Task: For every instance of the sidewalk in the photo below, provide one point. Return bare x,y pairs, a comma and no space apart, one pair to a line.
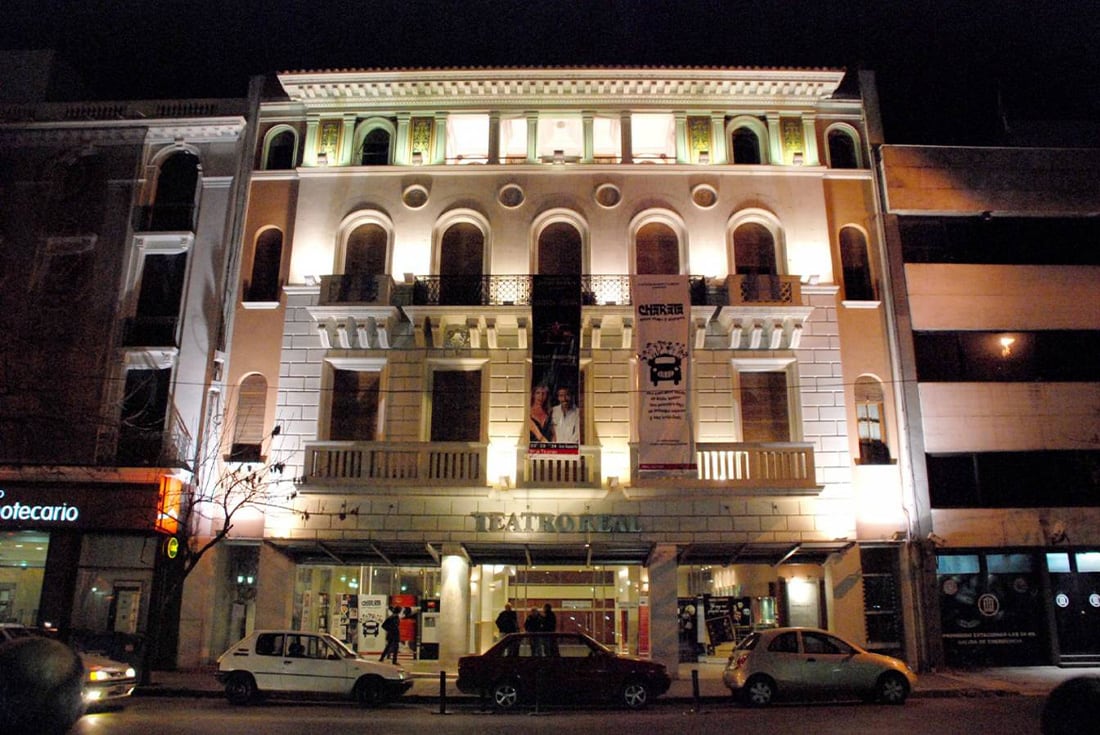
1035,681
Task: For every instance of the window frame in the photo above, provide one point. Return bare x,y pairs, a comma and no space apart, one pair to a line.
786,365
328,379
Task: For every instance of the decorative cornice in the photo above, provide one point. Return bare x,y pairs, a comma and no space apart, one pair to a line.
589,88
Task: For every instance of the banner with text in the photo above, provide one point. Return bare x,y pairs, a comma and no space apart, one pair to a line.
662,311
554,423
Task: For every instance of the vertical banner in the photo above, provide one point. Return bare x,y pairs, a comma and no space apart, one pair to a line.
372,611
662,319
554,418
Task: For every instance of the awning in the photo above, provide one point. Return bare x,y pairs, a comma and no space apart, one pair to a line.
770,553
346,552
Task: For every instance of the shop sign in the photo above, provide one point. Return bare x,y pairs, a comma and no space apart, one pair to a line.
555,523
63,513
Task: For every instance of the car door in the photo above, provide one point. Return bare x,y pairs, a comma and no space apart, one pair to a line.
265,661
313,666
837,667
577,671
786,664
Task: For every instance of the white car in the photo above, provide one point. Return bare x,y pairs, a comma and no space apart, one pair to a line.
106,681
804,663
306,664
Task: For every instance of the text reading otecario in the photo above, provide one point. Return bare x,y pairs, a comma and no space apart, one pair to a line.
58,513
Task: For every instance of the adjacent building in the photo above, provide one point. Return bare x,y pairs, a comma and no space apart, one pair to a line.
428,257
994,276
117,231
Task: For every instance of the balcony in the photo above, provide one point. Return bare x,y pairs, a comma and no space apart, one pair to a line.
764,288
396,464
165,218
356,289
558,471
515,290
150,331
780,468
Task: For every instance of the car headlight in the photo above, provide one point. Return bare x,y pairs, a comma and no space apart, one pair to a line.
98,675
131,673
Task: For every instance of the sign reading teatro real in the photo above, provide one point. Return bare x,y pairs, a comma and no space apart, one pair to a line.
555,523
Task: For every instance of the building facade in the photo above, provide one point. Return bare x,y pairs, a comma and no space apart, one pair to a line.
116,231
995,285
387,346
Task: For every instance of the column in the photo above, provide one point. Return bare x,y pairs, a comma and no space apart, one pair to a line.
439,155
682,154
313,128
587,122
775,140
664,629
627,138
494,137
347,142
532,136
718,138
454,607
401,152
809,140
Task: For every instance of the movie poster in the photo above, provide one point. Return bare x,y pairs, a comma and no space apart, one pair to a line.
554,424
662,319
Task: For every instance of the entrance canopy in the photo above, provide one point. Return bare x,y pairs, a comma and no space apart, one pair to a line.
346,552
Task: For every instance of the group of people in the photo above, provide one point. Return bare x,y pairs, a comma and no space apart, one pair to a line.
559,424
535,622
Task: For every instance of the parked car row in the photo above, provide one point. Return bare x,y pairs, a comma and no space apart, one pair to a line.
553,668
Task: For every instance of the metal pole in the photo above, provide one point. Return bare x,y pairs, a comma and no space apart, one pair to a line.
695,687
442,692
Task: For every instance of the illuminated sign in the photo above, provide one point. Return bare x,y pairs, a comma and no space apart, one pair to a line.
63,513
556,523
172,547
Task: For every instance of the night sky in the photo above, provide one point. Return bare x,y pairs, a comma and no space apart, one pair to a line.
1038,59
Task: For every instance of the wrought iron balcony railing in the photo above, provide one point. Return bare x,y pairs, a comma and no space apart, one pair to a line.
515,290
356,289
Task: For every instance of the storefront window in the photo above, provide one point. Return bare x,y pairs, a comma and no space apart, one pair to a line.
22,567
113,583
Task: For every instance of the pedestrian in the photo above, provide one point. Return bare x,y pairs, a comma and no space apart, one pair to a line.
507,621
533,622
391,626
549,619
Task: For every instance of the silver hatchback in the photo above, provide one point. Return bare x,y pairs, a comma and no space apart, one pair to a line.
808,663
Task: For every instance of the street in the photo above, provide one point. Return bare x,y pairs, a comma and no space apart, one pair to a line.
1010,715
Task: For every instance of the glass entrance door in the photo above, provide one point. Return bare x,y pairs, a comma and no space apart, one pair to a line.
1075,584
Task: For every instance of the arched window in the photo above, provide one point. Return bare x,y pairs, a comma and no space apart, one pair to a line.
843,147
280,149
656,250
856,265
174,203
266,263
365,252
870,422
745,147
248,433
559,250
461,254
376,148
754,250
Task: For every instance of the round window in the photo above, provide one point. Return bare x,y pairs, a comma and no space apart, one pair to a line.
704,196
511,196
608,195
415,196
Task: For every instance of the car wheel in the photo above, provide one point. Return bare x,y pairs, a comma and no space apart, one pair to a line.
759,691
240,688
505,694
892,688
368,691
634,695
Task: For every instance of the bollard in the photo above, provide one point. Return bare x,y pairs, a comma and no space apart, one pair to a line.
442,692
695,687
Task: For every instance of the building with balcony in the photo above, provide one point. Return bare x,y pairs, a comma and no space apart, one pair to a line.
995,278
399,227
115,232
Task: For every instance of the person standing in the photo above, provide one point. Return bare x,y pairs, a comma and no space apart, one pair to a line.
566,418
533,622
549,619
391,626
507,621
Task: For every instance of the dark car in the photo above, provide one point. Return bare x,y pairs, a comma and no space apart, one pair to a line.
559,667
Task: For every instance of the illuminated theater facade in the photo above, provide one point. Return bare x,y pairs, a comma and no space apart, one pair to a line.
691,255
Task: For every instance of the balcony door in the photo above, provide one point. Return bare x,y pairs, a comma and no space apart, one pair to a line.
754,257
765,407
559,250
461,254
364,261
456,406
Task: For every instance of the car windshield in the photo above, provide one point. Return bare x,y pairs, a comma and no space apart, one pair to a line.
342,647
